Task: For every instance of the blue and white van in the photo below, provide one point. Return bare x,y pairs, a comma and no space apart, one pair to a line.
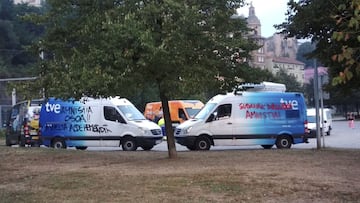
263,118
110,122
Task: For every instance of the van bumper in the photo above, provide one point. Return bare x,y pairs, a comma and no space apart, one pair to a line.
186,141
148,141
312,134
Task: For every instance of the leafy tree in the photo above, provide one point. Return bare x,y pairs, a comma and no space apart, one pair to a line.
334,27
16,35
304,54
292,85
102,48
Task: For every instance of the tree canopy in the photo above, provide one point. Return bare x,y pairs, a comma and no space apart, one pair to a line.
15,38
334,27
106,48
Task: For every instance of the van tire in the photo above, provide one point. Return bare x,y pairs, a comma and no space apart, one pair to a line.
7,142
328,133
202,143
22,141
81,147
283,142
58,143
147,148
128,144
267,146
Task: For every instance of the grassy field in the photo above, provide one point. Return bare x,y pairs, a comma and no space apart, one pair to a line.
48,175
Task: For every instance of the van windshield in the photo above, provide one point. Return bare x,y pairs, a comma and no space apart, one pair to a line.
204,112
311,119
131,112
192,112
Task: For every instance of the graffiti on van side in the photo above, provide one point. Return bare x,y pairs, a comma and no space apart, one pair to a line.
77,127
269,110
75,118
262,115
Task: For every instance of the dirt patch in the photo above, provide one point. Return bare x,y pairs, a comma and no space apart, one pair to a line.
43,175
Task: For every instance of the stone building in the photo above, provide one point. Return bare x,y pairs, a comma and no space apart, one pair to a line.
279,46
30,2
258,56
276,52
290,65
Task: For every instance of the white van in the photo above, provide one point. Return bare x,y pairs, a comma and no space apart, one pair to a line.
312,121
247,118
110,122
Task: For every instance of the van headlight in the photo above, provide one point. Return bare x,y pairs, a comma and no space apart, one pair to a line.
143,130
187,130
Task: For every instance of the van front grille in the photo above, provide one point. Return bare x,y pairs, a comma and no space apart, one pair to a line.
177,131
156,132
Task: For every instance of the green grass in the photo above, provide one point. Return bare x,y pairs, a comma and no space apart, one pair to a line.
49,175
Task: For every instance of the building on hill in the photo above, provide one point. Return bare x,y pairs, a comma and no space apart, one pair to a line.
30,2
279,46
276,52
291,67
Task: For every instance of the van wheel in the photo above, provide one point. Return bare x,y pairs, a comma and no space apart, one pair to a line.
58,143
128,144
22,141
267,146
328,133
283,142
7,142
147,148
202,143
81,147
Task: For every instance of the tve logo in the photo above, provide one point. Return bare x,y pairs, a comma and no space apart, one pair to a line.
289,104
52,107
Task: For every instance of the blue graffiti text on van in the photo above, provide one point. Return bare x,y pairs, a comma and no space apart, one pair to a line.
75,118
76,127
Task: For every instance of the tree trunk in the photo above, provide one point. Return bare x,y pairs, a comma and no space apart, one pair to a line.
168,126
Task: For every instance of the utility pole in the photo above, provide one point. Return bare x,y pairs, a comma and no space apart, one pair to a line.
316,97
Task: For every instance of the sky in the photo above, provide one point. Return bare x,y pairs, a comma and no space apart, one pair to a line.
268,12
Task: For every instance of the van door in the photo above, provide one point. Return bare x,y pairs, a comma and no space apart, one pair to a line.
13,127
221,126
114,127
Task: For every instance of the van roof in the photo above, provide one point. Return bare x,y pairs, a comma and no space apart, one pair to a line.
110,100
233,97
180,100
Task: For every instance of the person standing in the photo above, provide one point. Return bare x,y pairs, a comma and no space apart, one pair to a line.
161,123
351,121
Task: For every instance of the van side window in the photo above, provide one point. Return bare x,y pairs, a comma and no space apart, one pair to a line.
182,114
223,111
292,114
111,114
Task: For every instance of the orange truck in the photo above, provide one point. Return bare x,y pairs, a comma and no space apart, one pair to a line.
180,110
